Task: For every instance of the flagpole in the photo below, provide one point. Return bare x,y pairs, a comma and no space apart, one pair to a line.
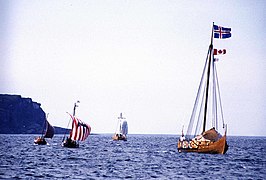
208,81
212,33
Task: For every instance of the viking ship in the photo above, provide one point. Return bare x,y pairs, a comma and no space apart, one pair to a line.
121,130
79,131
47,132
207,111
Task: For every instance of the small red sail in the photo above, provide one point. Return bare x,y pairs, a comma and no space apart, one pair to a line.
80,130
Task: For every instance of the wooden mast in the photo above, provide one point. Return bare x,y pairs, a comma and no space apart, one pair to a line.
74,111
208,79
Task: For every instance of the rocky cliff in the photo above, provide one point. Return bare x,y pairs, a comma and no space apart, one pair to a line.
20,115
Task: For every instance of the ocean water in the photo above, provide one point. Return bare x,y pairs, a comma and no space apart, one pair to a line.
141,157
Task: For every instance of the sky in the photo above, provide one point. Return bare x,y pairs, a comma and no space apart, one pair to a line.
141,58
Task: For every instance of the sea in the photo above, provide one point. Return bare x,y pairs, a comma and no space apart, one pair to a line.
140,157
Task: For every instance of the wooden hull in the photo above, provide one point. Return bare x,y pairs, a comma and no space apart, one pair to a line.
217,147
40,141
70,144
118,137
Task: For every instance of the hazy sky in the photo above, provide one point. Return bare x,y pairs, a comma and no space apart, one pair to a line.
142,58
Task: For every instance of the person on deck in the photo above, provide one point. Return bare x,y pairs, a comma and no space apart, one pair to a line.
182,138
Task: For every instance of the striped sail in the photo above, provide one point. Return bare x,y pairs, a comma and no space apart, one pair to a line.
80,130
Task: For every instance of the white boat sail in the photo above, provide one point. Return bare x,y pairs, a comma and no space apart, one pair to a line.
122,129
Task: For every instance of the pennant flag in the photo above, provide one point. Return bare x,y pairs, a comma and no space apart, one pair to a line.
218,52
221,32
215,59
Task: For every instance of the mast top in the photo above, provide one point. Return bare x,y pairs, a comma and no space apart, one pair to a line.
208,80
212,36
75,105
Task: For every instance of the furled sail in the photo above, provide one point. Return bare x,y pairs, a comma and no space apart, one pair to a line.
80,130
124,128
212,135
49,131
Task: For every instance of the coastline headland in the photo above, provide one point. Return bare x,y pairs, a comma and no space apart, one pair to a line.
20,115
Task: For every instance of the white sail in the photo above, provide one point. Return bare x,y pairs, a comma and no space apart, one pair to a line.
124,128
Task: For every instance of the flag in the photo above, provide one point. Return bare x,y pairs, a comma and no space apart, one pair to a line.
219,51
215,59
221,32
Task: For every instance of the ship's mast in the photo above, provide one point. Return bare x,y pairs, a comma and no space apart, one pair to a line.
208,80
74,110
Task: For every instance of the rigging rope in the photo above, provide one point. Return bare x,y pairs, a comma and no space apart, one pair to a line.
66,129
220,100
191,122
199,121
214,102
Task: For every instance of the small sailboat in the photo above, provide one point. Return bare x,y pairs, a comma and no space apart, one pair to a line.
79,131
122,129
47,132
207,111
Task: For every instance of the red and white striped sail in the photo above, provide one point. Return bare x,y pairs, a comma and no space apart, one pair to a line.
80,130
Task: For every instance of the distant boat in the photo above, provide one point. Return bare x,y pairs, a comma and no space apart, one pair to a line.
207,111
122,129
47,132
79,131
